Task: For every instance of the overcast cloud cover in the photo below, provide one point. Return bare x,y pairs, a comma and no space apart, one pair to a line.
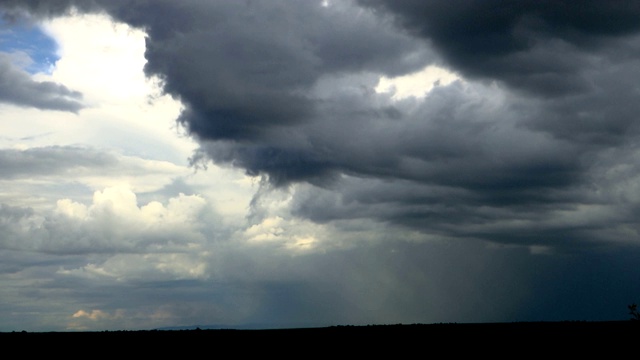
312,163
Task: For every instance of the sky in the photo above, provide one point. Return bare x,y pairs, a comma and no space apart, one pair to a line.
296,163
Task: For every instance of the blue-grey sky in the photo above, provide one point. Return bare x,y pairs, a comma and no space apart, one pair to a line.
312,163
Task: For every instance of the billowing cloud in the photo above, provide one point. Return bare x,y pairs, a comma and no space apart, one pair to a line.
521,133
113,222
540,46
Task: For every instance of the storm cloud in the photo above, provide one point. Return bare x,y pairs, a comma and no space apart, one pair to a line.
494,176
364,201
544,47
542,116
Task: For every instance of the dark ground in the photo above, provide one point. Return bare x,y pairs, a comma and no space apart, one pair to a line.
526,338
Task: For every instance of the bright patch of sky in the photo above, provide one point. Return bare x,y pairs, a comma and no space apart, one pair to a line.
417,84
31,48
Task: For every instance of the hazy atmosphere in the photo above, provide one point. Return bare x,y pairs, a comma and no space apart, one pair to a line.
298,163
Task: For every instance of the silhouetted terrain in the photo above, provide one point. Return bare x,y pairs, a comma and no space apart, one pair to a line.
609,340
534,333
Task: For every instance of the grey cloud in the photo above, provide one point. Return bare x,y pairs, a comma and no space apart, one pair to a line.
475,156
244,68
44,8
76,162
247,77
55,160
409,283
604,116
285,90
536,146
453,166
538,46
18,88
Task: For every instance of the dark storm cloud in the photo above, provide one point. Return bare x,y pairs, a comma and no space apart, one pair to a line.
470,160
532,45
44,8
18,88
245,68
540,133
